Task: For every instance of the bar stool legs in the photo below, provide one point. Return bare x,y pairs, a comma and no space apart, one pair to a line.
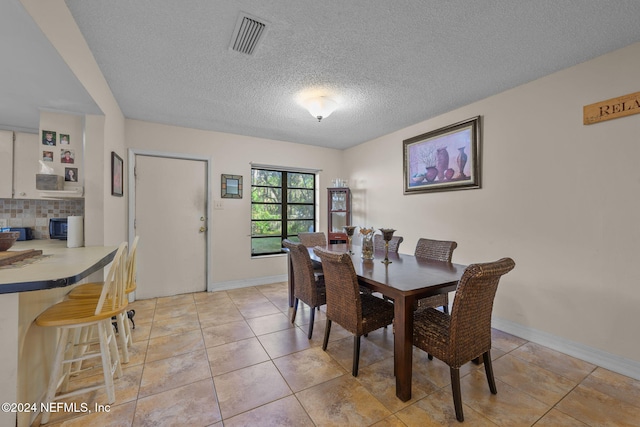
72,350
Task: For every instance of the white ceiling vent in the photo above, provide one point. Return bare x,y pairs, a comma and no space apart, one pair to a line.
247,34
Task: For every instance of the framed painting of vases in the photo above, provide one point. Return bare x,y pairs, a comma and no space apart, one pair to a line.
444,159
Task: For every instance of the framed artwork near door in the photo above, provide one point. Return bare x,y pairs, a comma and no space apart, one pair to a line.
231,186
116,175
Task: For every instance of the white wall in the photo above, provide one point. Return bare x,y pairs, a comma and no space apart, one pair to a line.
558,197
231,154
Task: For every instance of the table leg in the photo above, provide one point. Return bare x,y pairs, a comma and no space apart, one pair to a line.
290,280
403,346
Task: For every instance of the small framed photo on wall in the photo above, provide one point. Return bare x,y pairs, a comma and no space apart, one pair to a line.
71,174
48,138
67,156
231,186
117,177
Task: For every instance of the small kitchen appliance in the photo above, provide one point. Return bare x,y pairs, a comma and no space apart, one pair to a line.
58,228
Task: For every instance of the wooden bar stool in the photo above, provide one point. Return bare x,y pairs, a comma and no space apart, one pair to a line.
70,317
93,290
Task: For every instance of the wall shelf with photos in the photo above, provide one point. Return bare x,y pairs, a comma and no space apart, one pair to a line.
61,150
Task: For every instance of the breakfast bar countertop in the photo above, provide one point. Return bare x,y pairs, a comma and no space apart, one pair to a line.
59,266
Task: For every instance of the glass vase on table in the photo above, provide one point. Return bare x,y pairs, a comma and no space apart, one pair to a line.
367,242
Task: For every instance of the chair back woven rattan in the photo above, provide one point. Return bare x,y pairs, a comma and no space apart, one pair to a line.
394,243
357,313
344,305
438,250
309,287
466,334
313,239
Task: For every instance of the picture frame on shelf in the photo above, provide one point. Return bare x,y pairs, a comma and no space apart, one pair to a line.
231,186
445,159
117,176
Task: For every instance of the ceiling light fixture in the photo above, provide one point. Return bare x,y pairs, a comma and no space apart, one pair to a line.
320,106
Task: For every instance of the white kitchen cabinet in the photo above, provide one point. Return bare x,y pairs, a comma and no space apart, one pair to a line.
6,164
25,154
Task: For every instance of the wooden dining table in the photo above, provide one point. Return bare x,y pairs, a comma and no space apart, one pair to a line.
405,280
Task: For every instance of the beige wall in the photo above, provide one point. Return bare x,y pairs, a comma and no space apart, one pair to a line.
559,197
231,154
102,134
105,215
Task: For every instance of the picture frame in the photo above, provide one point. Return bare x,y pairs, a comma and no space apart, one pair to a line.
445,159
117,175
49,138
71,174
231,186
67,156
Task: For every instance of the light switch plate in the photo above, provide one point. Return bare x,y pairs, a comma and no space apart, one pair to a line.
217,204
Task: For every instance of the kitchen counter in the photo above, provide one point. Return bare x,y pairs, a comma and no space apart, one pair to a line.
60,267
25,292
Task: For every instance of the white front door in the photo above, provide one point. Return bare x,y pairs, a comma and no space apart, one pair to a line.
170,218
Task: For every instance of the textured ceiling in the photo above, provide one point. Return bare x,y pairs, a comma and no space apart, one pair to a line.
33,77
388,63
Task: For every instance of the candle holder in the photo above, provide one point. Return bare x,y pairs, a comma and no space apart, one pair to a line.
387,234
349,229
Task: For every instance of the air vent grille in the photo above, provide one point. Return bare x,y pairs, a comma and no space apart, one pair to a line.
247,34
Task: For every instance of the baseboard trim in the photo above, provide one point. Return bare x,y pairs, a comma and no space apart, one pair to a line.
244,283
596,356
593,355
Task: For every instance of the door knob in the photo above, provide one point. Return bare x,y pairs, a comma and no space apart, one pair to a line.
203,229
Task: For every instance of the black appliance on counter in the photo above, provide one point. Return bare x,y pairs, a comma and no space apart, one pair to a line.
26,233
58,228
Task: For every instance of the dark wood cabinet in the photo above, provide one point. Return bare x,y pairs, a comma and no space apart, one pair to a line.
339,214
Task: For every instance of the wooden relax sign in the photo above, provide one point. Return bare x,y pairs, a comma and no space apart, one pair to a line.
612,108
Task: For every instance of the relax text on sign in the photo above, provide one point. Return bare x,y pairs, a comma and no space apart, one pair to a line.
612,109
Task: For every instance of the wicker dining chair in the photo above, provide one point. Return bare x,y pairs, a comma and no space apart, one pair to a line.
466,334
309,287
394,243
313,239
437,250
357,313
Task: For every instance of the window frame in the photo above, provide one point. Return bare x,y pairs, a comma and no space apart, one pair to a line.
284,205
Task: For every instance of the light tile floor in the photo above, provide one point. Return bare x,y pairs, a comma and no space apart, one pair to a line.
233,358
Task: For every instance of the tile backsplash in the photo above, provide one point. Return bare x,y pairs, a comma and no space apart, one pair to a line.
36,213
